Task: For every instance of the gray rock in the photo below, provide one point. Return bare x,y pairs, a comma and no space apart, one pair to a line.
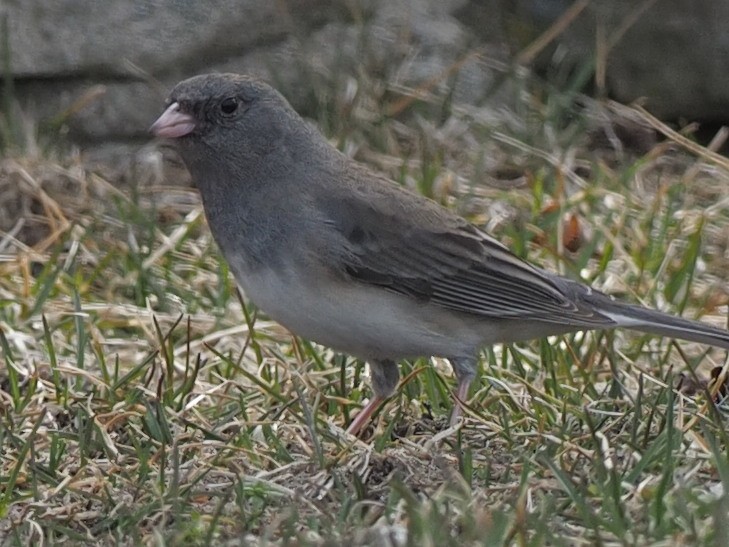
73,38
103,69
674,55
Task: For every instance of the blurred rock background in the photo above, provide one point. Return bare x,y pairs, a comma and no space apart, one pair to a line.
101,69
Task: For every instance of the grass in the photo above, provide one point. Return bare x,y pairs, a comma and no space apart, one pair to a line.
144,402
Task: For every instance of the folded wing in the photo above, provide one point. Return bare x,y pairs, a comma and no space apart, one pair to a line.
421,250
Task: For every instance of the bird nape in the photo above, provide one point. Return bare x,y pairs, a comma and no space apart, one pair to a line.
342,256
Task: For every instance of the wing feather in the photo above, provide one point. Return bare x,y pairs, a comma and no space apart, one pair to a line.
410,245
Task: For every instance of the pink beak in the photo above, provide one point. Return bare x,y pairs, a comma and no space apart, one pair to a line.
173,123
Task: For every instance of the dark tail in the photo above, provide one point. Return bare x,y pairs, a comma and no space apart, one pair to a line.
663,324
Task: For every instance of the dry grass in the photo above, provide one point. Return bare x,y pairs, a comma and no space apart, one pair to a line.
143,403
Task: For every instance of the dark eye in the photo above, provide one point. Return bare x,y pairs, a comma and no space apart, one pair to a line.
229,106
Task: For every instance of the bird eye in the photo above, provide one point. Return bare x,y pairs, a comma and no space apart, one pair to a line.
229,106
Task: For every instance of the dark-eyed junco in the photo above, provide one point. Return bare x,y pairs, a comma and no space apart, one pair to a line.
343,256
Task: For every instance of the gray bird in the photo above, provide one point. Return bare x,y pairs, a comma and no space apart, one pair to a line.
343,256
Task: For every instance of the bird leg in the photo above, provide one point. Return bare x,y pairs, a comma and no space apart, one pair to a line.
385,376
364,415
465,370
459,399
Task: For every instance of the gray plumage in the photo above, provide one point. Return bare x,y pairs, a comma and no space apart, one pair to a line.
344,257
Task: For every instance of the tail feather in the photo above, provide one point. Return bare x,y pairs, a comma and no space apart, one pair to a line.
663,324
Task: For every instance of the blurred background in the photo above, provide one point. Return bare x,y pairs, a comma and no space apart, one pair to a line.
101,70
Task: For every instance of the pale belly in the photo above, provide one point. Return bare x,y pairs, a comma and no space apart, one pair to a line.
365,321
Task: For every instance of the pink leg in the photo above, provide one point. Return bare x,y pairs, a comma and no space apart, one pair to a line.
364,415
460,399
